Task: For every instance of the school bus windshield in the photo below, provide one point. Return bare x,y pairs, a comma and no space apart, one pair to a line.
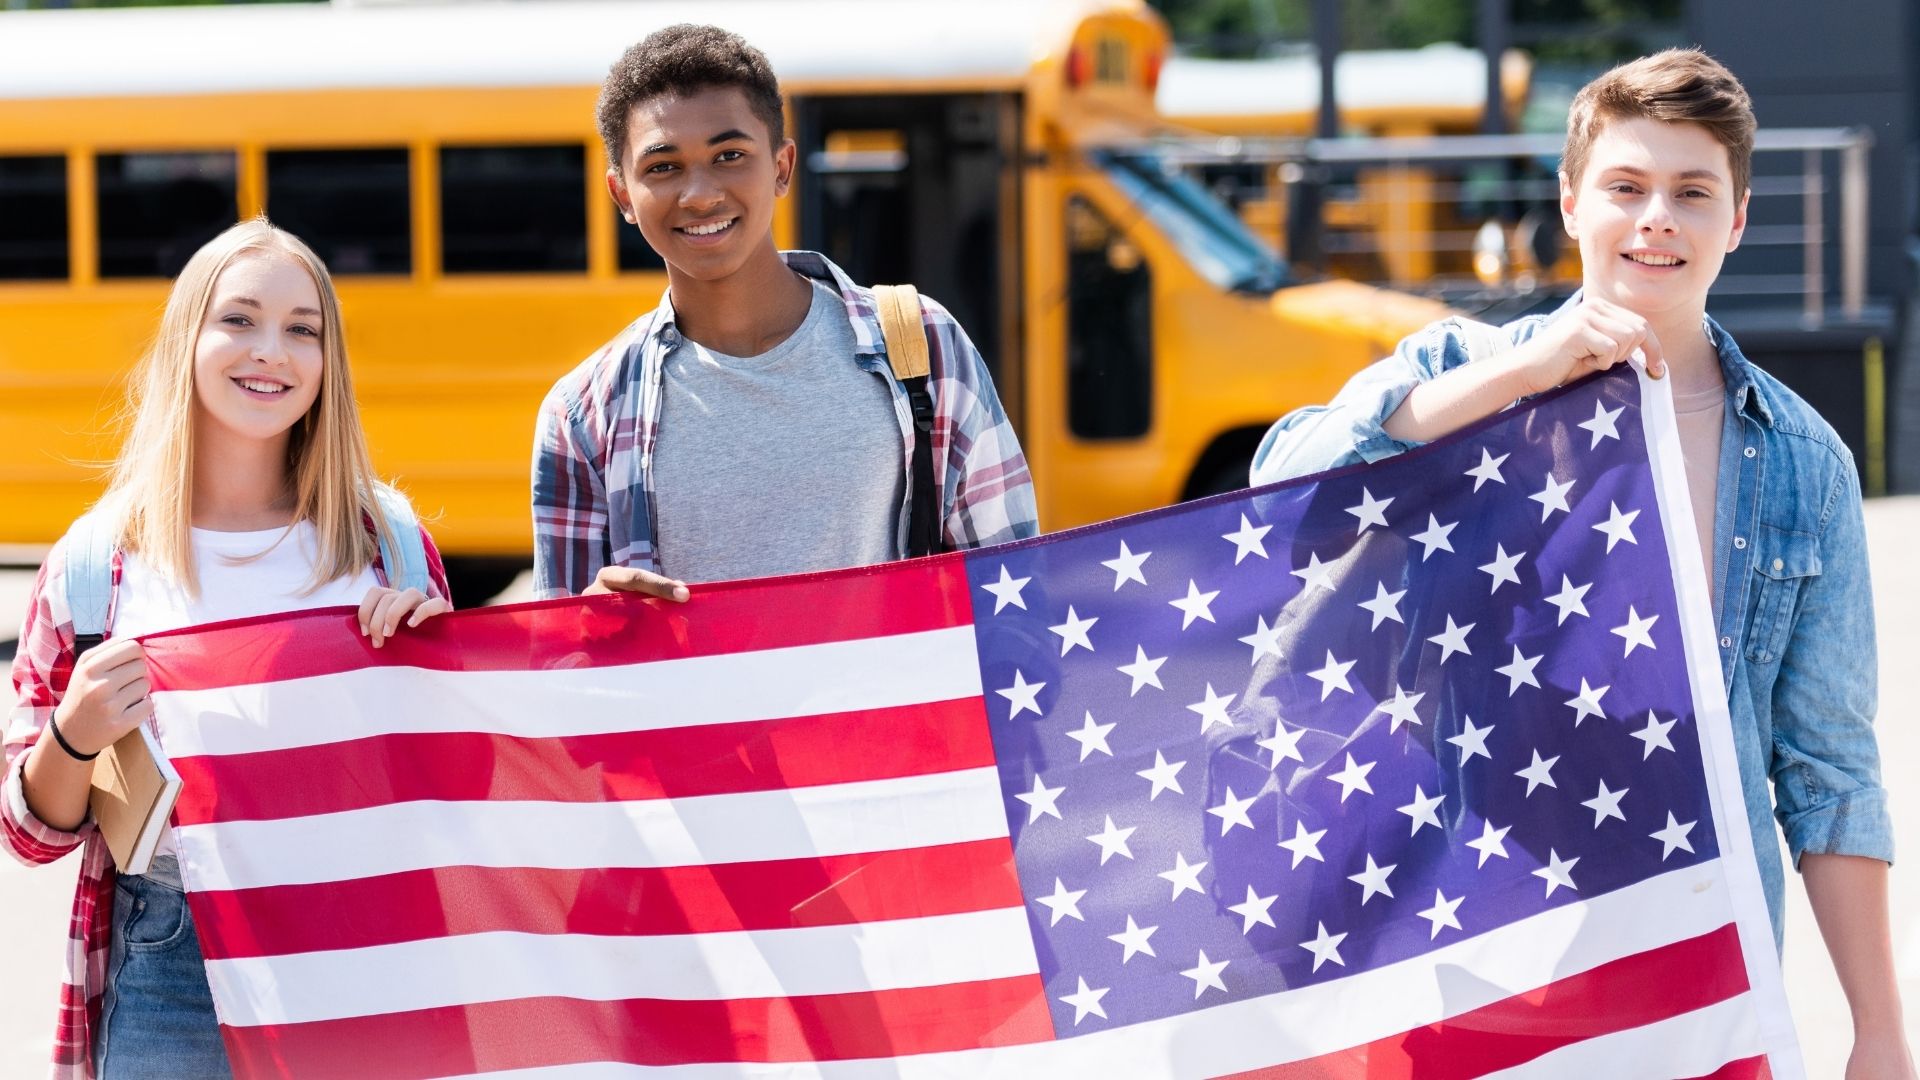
1209,237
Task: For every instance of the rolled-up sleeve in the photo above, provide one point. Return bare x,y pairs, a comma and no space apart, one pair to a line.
42,664
1826,760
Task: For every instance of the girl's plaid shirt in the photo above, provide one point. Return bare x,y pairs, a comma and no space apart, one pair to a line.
593,454
42,666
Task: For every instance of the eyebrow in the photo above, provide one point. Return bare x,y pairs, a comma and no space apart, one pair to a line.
255,305
1690,174
728,135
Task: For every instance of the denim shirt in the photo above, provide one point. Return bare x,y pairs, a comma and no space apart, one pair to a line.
1793,606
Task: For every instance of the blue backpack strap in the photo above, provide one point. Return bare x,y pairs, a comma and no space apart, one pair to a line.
406,567
89,577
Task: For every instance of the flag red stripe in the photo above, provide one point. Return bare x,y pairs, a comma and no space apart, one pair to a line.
711,759
1753,1068
788,894
533,1032
900,598
1626,993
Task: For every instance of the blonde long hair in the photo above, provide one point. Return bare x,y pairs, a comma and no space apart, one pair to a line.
150,490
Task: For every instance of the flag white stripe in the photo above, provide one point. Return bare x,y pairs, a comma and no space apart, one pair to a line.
1692,1044
842,676
832,819
473,968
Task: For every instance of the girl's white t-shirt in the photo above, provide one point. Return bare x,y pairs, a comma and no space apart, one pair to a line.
241,574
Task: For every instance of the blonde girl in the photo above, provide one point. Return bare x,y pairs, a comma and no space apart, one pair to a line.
244,487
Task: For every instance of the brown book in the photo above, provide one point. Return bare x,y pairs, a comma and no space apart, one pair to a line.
134,786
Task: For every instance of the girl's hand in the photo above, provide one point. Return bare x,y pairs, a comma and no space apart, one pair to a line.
107,696
383,609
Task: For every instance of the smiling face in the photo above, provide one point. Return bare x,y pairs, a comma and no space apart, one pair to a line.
1655,214
258,358
700,177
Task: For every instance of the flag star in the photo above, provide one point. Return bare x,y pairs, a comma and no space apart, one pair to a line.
1232,812
1134,939
1213,710
1264,640
1488,469
1602,424
1023,695
1371,511
1502,568
1184,875
1587,702
1558,873
1194,605
1452,640
1127,566
1353,778
1074,631
1333,676
1064,903
1472,741
1091,737
1248,540
1540,772
1041,800
1325,947
1206,975
1373,880
1552,497
1655,735
1441,914
1164,776
1384,605
1254,910
1422,808
1606,804
1113,841
1085,1001
1434,538
1569,599
1283,744
1634,633
1674,837
1520,671
1304,845
1143,671
1492,842
1618,526
1401,709
1315,573
1007,590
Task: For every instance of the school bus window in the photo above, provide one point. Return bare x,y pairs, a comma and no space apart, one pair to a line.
1210,238
33,218
156,209
350,205
1109,329
635,252
513,209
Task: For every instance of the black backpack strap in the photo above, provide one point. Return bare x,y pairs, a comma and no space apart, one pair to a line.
905,335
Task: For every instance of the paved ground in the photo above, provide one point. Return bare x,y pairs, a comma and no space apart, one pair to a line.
35,903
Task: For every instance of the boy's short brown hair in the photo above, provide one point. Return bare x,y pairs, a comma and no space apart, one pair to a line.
686,59
1675,86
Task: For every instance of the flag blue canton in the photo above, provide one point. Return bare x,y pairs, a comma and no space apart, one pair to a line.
1280,737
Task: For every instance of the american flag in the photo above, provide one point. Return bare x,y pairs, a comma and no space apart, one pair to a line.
1393,771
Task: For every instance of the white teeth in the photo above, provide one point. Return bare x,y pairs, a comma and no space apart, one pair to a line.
709,230
260,386
1654,260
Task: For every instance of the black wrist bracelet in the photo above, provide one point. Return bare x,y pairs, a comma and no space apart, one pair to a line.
67,746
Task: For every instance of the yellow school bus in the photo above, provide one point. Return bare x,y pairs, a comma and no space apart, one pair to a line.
442,158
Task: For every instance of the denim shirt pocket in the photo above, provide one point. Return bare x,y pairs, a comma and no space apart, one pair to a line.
1783,561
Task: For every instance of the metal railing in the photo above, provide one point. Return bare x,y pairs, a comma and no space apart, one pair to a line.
1404,191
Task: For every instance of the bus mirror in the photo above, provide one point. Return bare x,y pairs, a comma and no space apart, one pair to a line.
1490,253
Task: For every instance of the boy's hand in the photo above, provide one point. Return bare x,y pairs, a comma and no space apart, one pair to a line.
382,610
627,579
1592,337
107,696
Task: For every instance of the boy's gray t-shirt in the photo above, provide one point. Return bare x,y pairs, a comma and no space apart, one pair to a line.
780,463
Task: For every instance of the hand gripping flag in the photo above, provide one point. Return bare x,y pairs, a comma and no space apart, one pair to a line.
1418,769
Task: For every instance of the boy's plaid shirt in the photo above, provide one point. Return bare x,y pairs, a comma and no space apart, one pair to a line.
593,454
42,667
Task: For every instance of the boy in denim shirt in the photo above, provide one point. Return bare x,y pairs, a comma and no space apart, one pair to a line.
1654,188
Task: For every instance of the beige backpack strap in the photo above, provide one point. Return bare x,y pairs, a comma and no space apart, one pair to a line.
901,328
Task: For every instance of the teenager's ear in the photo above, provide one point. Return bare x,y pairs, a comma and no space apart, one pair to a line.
1566,206
617,187
783,163
1739,221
